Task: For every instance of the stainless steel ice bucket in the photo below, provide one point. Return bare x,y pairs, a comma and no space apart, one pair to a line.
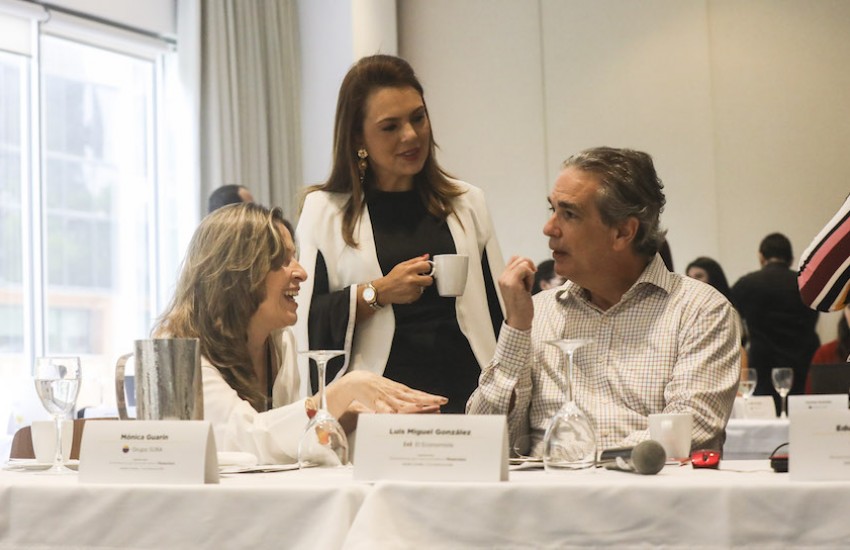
168,380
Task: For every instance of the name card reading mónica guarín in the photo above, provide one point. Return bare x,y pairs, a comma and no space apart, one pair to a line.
148,451
431,447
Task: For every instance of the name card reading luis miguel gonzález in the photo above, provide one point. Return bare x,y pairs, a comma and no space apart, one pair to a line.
148,451
431,447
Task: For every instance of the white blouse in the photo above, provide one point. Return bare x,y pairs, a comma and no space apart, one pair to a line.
272,435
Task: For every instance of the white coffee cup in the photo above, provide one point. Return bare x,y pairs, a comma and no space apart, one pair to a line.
450,271
44,440
673,431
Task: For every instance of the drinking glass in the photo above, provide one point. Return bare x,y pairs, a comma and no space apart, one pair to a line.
570,440
57,383
783,379
747,385
324,442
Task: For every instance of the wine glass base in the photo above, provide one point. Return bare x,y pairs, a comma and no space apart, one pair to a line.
324,443
57,470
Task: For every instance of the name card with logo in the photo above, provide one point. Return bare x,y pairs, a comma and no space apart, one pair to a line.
820,445
757,407
839,402
431,447
148,451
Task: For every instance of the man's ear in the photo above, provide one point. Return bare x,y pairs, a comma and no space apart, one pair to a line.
626,232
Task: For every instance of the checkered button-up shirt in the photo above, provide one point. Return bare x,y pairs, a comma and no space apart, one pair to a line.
671,344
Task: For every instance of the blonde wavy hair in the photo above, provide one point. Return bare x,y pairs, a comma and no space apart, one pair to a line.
220,287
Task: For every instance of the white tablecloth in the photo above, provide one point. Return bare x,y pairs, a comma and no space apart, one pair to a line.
309,509
754,439
744,504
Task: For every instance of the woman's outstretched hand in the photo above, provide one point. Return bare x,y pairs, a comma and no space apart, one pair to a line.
374,393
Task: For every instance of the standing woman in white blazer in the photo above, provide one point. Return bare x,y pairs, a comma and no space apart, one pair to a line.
365,236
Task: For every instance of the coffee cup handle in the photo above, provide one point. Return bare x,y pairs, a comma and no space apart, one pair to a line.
433,268
120,397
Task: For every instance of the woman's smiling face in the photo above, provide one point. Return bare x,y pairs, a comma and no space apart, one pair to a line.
279,309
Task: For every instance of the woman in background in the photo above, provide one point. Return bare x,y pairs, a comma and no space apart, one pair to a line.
366,234
236,294
545,277
709,271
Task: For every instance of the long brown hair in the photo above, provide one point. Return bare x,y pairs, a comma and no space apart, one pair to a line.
364,77
221,285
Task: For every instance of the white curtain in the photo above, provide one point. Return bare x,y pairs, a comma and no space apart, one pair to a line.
250,123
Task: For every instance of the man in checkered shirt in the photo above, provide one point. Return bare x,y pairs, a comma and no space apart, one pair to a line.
661,342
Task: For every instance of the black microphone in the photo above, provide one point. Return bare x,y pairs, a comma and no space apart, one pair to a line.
647,457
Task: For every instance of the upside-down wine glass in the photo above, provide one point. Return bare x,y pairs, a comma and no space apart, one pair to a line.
783,379
570,440
57,383
747,385
324,442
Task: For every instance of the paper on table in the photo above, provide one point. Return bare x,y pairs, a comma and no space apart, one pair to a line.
259,468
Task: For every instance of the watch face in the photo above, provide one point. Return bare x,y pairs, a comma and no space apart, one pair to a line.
369,294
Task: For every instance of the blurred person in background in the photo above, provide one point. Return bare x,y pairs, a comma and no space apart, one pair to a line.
545,277
781,327
228,194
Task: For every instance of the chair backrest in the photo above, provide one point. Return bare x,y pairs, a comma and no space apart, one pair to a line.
830,378
22,441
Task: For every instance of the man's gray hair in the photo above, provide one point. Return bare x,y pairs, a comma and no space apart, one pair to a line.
628,187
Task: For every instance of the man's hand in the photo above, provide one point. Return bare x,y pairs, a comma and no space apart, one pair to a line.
515,283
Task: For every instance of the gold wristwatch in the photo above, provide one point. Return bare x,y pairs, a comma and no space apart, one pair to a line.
370,295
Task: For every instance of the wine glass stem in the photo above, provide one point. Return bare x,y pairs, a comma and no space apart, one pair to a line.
784,406
57,460
321,366
569,376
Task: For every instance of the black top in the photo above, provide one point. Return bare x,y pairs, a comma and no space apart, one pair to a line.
781,326
429,352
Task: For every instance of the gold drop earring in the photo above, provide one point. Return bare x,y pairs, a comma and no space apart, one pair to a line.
362,164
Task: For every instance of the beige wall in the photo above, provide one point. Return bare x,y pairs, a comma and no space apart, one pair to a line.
744,105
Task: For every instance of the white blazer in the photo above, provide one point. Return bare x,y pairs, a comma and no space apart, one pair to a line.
368,347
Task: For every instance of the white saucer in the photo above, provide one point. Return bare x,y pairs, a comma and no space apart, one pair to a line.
31,464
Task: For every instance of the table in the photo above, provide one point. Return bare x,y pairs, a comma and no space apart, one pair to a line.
754,439
310,509
744,504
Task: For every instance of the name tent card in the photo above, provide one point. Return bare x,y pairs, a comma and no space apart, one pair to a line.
757,407
148,451
431,447
838,402
819,445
